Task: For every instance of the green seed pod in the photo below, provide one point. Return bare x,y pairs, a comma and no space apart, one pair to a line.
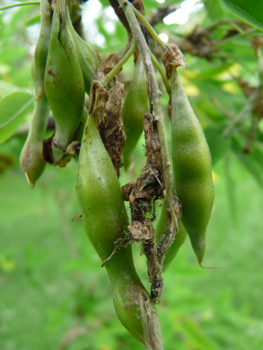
41,50
87,57
192,167
105,219
134,108
32,162
64,84
161,230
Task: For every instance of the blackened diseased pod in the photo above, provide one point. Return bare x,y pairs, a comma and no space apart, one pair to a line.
87,57
41,50
32,162
192,167
135,106
105,220
64,84
161,232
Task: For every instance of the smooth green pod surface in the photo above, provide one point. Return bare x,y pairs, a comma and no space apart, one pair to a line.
41,50
87,57
192,167
64,84
105,219
161,229
134,108
32,162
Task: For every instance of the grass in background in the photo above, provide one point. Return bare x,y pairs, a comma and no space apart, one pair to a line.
55,295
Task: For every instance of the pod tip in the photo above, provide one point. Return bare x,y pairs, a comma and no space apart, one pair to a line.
208,267
32,185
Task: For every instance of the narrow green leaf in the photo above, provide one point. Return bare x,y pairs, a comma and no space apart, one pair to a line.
214,9
196,335
230,187
217,145
13,110
250,11
243,115
8,54
6,88
251,161
33,20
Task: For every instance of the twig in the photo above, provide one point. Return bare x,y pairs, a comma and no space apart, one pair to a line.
251,136
150,29
120,14
224,111
221,108
232,21
162,72
119,65
246,33
154,95
243,114
19,4
77,332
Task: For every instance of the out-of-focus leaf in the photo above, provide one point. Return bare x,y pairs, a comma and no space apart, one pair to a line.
20,15
218,146
243,114
230,186
33,20
11,53
150,5
251,161
212,89
104,3
13,110
250,11
6,88
22,77
215,9
197,336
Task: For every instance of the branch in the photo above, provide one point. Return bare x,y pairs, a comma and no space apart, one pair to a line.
154,95
119,65
150,29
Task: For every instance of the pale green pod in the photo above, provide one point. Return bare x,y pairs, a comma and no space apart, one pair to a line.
64,84
32,162
105,220
135,106
87,57
41,50
192,168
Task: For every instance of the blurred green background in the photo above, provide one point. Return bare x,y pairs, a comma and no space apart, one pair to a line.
53,292
55,295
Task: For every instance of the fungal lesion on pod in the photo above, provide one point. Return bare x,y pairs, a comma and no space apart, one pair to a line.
142,196
48,146
106,107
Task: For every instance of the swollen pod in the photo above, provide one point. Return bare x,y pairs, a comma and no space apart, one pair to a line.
105,220
192,168
64,84
32,162
87,57
41,50
134,108
31,158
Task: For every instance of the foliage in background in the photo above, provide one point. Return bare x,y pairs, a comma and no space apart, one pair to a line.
52,293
